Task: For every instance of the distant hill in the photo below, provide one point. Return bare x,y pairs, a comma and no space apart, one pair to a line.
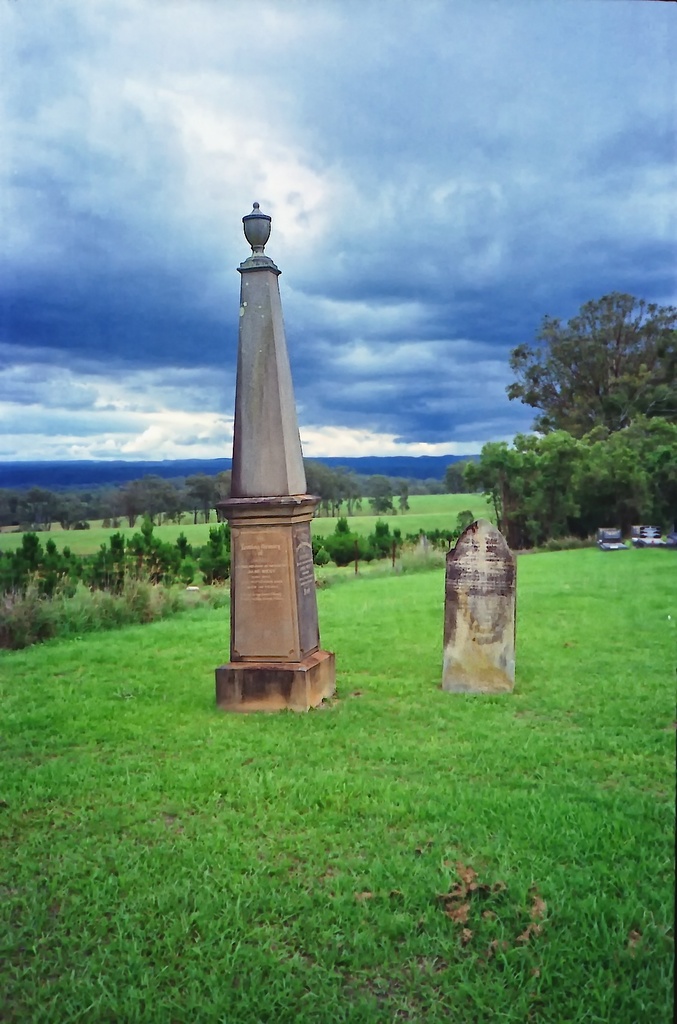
59,475
80,474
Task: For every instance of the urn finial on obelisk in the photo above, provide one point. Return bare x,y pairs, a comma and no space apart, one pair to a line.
257,229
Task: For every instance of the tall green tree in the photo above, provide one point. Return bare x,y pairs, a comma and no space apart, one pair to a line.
615,360
203,490
497,472
70,509
131,501
380,489
530,485
320,481
40,507
613,485
10,503
628,477
403,500
334,487
348,489
454,479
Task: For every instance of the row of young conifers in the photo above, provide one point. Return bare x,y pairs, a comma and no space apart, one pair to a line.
46,591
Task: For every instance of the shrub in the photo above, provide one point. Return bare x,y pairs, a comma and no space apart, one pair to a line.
214,561
25,618
567,543
341,547
185,548
420,560
216,596
380,540
187,571
28,617
106,569
464,519
321,556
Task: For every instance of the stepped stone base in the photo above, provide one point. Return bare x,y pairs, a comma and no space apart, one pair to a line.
276,686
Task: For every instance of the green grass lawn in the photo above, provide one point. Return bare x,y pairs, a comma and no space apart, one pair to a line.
427,512
164,862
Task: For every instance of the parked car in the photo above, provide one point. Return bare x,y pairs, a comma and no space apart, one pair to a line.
610,539
647,537
671,540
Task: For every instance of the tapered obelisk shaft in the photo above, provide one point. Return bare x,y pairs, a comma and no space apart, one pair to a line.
267,458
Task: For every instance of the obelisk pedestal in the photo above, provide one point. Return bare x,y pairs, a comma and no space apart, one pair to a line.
275,656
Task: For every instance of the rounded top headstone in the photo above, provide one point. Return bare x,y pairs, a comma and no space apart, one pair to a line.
256,229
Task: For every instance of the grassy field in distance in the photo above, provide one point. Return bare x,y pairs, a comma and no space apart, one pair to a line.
164,861
427,512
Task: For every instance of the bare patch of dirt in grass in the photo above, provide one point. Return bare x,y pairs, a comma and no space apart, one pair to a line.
463,903
172,821
431,964
328,704
458,913
536,913
387,993
464,895
538,906
530,930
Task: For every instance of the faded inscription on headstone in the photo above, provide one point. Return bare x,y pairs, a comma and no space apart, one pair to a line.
479,613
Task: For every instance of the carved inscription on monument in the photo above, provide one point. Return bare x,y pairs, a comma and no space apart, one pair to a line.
263,615
305,588
263,581
479,615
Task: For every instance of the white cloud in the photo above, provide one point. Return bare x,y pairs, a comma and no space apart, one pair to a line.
50,412
342,441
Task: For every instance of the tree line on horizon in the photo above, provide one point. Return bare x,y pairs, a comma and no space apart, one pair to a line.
341,492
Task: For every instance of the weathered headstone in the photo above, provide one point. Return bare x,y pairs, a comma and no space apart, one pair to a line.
275,656
479,613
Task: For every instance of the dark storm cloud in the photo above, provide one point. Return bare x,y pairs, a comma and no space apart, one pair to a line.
149,320
439,178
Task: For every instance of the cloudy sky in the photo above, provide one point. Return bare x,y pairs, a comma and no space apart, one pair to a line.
440,176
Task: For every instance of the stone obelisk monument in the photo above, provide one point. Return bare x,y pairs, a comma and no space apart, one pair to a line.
275,656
